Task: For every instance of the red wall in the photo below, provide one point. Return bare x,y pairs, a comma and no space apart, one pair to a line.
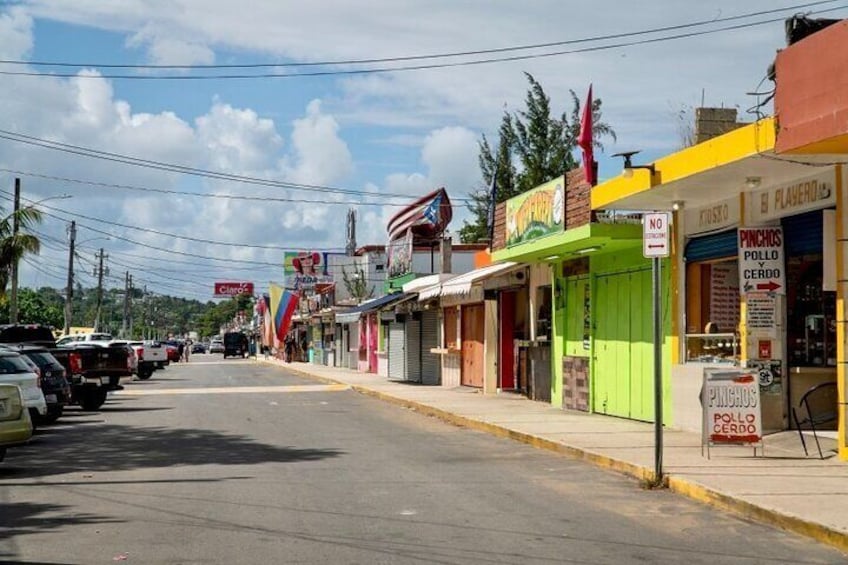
811,102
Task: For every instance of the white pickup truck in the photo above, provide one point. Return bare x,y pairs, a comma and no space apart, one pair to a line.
151,355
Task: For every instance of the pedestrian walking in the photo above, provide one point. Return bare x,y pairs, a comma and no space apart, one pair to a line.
187,349
180,349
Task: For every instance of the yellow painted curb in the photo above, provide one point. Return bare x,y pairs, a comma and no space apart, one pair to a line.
697,492
818,532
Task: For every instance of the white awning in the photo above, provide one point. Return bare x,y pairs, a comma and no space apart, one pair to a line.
461,285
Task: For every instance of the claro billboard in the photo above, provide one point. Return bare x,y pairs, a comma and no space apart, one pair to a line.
227,289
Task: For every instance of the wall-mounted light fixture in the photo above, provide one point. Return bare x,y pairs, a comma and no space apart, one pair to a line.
753,182
551,258
677,205
629,166
586,250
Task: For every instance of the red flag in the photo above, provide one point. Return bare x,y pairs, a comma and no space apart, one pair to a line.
584,140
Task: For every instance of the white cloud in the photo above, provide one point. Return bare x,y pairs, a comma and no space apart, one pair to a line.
320,156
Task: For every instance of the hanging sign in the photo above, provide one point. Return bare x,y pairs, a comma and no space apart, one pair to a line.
731,404
761,265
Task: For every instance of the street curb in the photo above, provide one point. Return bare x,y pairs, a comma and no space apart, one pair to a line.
692,490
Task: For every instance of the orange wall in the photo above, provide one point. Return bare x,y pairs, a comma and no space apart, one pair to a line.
811,102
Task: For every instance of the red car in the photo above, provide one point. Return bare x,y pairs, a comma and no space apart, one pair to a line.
173,352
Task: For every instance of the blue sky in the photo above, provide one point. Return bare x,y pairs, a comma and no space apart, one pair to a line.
400,133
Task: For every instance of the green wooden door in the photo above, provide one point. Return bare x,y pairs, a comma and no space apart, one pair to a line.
622,362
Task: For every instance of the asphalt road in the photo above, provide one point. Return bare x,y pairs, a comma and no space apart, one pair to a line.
230,462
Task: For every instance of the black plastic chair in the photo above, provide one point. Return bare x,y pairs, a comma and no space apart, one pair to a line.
819,405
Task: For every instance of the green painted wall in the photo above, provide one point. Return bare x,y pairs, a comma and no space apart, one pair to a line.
621,343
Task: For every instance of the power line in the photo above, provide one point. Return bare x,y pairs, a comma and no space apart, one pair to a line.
182,169
173,235
416,57
419,66
212,195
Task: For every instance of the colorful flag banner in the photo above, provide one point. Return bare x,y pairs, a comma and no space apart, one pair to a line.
283,306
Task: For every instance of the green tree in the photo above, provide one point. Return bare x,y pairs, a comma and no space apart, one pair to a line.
356,284
13,247
533,148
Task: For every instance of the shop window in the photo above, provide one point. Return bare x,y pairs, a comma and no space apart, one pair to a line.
810,313
712,311
544,312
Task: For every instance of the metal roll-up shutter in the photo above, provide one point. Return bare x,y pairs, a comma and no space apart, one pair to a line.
353,344
413,347
338,359
397,351
431,366
803,234
714,246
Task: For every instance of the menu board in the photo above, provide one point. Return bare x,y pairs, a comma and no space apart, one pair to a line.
724,296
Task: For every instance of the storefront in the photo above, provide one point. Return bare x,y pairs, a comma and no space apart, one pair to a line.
484,314
363,327
583,275
753,267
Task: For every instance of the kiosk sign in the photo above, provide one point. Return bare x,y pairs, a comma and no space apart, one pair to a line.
732,411
761,266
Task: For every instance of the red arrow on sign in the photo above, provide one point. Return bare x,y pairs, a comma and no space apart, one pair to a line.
770,286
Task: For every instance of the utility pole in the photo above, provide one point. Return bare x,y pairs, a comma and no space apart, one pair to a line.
129,303
99,256
13,295
126,304
69,291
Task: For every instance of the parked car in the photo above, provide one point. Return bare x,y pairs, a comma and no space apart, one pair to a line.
151,356
54,382
90,367
216,346
15,370
198,348
15,423
235,344
173,351
76,338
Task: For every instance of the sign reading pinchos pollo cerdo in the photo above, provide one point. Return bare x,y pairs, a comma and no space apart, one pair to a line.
228,289
731,404
536,213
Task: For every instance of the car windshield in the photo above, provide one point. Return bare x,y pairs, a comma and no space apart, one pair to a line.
42,358
10,364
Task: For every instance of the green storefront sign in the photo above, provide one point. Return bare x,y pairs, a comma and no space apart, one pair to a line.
536,213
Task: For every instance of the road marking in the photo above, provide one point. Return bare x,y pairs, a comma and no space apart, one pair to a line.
233,390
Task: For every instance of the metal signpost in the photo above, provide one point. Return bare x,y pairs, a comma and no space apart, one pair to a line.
655,246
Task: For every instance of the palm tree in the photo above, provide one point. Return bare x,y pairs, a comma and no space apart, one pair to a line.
13,247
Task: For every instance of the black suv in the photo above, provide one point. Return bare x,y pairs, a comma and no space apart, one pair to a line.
54,383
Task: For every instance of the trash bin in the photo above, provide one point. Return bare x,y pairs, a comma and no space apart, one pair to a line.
311,355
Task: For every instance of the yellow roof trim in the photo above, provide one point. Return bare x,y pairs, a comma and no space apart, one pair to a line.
743,142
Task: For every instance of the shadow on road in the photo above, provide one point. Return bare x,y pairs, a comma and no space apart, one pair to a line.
112,447
24,518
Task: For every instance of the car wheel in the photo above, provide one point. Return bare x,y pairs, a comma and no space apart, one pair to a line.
2,453
145,374
53,414
93,398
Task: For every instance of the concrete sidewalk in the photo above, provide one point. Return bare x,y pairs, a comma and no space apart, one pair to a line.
784,488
